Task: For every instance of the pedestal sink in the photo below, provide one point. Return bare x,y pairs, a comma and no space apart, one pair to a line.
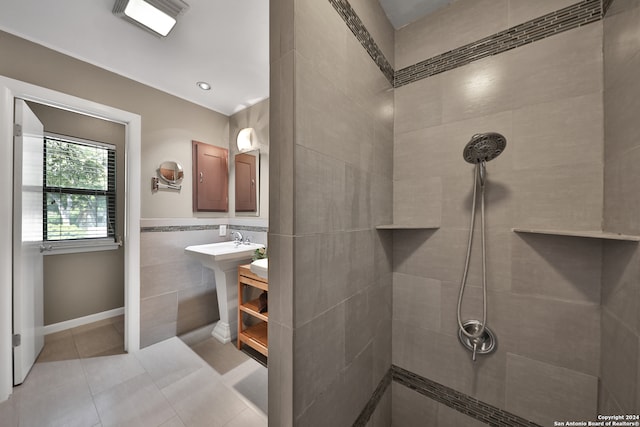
224,258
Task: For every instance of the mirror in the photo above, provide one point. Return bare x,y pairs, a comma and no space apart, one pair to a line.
247,174
171,172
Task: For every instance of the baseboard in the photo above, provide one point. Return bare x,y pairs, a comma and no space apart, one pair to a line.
72,323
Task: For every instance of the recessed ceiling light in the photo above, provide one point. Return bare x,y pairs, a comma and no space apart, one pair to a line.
204,85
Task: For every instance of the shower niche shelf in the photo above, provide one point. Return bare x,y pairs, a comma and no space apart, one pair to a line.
573,233
406,227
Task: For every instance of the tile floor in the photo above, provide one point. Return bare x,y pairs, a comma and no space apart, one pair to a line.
166,384
102,338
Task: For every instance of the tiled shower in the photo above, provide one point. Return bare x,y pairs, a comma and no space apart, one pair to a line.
364,329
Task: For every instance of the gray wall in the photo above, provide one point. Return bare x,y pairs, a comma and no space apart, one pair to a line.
330,184
77,285
619,389
543,291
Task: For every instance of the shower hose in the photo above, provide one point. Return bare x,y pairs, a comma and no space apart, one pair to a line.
473,337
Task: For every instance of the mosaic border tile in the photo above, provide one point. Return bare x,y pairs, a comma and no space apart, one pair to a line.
171,228
248,228
370,407
577,15
358,29
467,405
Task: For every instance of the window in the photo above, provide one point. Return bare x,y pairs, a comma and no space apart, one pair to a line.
79,195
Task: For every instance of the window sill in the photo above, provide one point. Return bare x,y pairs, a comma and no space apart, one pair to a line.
78,246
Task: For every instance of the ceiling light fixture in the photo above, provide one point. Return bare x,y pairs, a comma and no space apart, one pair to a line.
204,85
156,16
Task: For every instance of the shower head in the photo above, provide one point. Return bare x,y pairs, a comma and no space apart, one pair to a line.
484,147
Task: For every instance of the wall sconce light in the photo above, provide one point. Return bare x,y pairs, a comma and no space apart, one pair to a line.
245,139
156,16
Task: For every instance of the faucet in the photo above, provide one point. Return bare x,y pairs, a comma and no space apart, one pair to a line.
237,238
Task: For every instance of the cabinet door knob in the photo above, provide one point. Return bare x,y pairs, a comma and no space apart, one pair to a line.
201,175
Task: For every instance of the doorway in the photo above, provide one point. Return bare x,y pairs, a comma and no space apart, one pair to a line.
9,90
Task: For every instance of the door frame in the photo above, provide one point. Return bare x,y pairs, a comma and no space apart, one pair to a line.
10,89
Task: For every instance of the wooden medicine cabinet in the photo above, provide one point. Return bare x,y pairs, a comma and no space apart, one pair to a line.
247,167
210,178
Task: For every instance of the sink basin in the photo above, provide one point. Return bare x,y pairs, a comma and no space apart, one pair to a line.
260,267
212,253
224,258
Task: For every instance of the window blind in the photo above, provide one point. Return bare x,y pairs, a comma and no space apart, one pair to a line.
79,189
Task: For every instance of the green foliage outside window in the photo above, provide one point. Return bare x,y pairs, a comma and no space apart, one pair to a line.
79,190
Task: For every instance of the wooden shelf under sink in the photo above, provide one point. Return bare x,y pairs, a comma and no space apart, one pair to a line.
255,335
253,308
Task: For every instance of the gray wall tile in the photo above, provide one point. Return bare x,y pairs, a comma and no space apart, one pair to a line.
524,10
621,282
559,198
619,361
621,200
546,71
320,193
621,130
320,274
280,381
197,307
479,89
460,23
281,30
544,393
319,357
411,409
280,279
563,132
416,301
443,359
448,417
620,46
419,105
281,144
352,389
374,18
620,370
547,327
383,147
620,6
158,318
382,415
606,402
417,201
358,327
423,152
568,268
